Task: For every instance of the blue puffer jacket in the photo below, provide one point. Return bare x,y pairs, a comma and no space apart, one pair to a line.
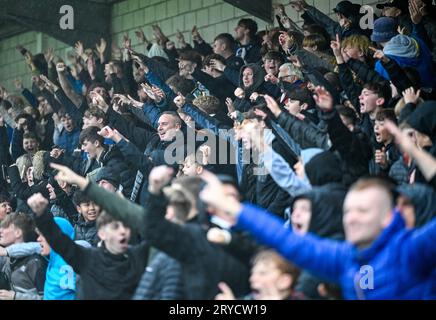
401,261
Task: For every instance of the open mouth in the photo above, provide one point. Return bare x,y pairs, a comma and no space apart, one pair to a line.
377,136
297,227
124,242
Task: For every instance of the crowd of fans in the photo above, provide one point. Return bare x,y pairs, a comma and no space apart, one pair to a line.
292,163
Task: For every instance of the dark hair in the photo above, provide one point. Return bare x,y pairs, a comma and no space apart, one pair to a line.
249,24
315,39
191,55
298,37
228,39
63,113
347,113
274,55
80,197
381,89
97,85
384,114
5,198
30,135
23,222
103,219
180,84
207,59
317,29
333,79
91,134
26,116
95,112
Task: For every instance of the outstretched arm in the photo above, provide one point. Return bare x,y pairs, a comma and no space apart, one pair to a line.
325,258
72,253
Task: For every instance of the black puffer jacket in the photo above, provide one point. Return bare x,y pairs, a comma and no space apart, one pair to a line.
86,230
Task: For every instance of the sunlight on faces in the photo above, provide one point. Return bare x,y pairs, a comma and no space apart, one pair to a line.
240,32
5,209
116,237
219,47
293,107
190,167
185,68
88,210
301,215
353,53
67,123
91,148
366,213
369,101
248,77
30,145
167,127
248,131
272,66
382,135
92,121
44,107
9,235
267,281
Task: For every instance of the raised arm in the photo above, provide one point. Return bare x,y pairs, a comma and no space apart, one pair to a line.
66,85
72,253
324,258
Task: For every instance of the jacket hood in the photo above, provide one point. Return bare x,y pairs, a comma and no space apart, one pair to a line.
423,199
327,202
324,168
423,119
258,78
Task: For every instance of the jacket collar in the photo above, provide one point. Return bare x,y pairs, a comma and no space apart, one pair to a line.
397,225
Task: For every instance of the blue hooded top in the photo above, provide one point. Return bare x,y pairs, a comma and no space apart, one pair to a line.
60,279
410,52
